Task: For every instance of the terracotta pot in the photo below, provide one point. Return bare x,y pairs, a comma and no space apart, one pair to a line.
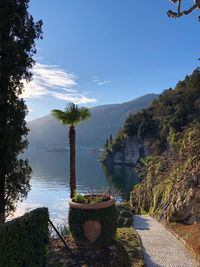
87,221
82,206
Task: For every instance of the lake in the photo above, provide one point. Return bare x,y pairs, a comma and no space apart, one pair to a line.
50,181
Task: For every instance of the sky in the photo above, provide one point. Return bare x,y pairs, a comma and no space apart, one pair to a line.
98,52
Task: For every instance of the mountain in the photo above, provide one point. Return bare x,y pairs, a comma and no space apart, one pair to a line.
164,141
48,133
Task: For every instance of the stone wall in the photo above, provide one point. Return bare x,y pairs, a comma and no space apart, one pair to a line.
129,153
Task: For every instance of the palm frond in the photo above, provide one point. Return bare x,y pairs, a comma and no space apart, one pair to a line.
60,116
84,113
71,115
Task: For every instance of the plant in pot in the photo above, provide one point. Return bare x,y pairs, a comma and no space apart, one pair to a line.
71,116
92,217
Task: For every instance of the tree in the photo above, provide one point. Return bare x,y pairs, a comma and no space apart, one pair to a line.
106,144
180,12
111,140
18,32
71,116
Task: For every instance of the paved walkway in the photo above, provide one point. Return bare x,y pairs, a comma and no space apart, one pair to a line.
160,247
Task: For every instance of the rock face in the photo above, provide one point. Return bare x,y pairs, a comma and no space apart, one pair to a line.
186,204
129,152
125,216
164,139
133,150
171,187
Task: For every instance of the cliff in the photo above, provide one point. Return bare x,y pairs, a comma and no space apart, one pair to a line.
170,190
127,153
164,141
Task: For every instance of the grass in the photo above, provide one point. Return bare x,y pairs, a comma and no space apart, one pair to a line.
127,242
131,242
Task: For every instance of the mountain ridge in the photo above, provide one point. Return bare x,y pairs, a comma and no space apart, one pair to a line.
106,119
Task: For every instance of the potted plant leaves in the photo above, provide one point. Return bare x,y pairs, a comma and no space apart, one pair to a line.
93,218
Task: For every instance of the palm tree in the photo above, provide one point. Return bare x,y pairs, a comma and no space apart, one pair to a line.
71,116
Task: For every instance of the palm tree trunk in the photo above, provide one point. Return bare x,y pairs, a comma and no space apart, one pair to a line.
72,145
2,200
4,81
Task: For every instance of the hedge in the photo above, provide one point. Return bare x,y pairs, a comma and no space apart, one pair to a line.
23,241
107,218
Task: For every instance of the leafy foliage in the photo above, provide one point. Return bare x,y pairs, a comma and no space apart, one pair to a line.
107,218
170,189
17,47
89,199
31,232
162,122
130,240
72,114
168,130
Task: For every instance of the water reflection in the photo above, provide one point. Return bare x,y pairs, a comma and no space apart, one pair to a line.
50,179
123,178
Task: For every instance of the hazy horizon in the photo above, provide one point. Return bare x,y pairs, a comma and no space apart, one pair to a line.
101,105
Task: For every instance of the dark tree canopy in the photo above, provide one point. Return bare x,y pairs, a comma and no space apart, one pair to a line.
18,33
179,13
166,118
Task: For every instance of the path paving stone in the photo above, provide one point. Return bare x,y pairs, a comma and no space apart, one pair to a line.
160,247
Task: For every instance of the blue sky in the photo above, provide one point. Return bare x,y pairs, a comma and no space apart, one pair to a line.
108,51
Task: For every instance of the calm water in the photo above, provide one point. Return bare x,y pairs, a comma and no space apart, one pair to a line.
49,182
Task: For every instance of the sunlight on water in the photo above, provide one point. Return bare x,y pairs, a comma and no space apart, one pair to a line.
49,182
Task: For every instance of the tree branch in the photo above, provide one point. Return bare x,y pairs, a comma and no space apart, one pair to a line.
179,6
180,13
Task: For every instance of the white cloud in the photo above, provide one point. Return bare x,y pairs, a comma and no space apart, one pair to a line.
76,98
30,109
34,89
53,81
98,81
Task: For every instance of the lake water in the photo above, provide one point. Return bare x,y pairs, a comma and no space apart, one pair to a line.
50,179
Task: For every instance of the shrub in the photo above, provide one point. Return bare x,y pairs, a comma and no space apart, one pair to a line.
107,217
23,241
129,238
90,199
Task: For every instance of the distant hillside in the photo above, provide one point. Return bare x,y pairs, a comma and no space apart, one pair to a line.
164,140
46,132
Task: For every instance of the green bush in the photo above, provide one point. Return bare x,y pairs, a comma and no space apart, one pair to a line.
122,259
129,239
107,217
23,241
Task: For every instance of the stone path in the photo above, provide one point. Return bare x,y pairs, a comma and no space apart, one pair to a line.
160,247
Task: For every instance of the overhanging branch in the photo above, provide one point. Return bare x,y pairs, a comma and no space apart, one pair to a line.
180,13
